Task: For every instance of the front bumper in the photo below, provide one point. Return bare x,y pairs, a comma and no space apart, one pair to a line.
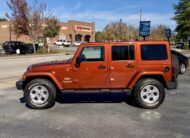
19,85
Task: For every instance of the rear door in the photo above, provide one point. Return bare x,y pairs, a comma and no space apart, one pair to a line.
122,65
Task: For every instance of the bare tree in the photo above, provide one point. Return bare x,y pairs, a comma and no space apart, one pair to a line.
158,33
27,19
120,31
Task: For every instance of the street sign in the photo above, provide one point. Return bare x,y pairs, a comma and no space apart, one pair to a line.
144,29
168,33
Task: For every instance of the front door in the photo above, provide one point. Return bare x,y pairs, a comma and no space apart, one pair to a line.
122,65
92,72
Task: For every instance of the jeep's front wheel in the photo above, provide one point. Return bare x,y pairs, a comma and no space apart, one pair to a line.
149,93
40,94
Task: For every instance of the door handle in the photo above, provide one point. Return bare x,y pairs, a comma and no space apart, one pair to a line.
130,66
101,67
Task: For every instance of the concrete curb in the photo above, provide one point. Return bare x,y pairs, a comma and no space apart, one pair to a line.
30,56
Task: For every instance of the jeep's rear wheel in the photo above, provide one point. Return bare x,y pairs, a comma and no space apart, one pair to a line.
40,94
149,93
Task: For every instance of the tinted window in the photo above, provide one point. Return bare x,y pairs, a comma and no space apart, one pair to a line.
122,53
153,52
91,53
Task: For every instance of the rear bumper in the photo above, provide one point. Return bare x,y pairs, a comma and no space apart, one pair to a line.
19,85
172,85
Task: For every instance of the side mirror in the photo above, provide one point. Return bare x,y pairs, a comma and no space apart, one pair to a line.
78,61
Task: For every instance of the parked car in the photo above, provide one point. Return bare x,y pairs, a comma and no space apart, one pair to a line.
180,45
62,43
10,47
183,61
77,43
144,69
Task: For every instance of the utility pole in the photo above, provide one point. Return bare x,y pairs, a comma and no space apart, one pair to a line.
139,22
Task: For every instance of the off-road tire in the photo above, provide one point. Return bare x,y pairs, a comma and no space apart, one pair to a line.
138,89
50,89
176,65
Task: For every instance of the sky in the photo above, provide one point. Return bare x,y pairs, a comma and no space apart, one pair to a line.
103,12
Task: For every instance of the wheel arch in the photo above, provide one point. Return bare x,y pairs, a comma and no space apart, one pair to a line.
55,82
159,77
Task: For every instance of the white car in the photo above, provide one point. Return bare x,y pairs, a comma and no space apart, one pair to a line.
77,43
62,43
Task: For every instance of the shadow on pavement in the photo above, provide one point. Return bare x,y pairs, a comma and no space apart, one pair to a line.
68,98
22,100
94,98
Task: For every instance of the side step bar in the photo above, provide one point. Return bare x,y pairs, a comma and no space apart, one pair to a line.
127,91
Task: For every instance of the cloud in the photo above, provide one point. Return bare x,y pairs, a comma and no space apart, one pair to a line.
104,17
93,13
78,6
140,6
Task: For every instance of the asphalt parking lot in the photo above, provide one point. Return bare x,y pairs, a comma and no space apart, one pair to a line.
89,115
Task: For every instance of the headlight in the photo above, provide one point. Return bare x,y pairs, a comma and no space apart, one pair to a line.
29,68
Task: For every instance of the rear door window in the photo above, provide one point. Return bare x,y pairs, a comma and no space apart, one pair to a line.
123,53
153,52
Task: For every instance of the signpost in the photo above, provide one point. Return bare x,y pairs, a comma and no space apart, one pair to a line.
144,29
168,34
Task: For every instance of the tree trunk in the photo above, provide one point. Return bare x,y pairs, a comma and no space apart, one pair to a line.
34,45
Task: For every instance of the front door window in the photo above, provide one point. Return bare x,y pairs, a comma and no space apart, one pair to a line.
91,54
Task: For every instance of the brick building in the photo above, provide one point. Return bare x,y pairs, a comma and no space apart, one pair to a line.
71,31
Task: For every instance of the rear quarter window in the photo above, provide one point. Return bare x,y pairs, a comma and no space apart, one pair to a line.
154,52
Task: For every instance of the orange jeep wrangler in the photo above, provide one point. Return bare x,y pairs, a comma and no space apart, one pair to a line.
143,68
